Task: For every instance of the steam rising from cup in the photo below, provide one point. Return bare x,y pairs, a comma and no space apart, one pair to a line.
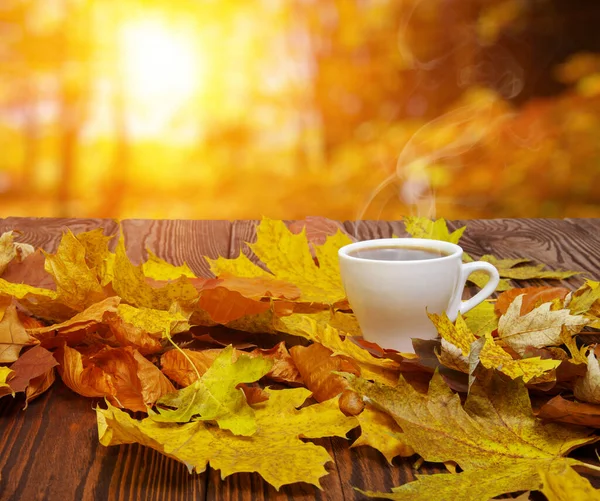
494,69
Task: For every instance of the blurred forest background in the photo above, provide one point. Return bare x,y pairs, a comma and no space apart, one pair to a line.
287,108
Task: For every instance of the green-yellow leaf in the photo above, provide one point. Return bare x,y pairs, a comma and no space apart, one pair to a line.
422,227
482,319
215,395
275,451
539,328
567,485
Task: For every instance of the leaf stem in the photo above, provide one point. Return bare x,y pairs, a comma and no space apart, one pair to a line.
168,334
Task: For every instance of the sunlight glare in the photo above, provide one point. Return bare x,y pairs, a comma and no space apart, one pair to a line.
161,63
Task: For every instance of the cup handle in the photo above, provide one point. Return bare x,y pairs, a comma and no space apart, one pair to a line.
457,304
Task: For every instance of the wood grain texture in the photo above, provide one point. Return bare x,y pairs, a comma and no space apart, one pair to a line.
178,241
591,226
555,242
46,232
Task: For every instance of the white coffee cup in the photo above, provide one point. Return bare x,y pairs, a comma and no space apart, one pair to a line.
391,298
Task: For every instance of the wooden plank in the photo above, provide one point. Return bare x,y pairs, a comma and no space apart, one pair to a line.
51,451
590,225
554,242
178,241
46,232
250,486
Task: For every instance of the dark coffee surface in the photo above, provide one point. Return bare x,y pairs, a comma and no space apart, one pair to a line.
397,253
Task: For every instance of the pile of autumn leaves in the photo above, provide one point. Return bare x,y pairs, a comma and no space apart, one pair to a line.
149,338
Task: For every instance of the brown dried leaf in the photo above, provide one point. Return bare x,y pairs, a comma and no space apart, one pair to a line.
176,366
90,317
122,375
317,364
254,394
351,403
532,298
318,229
39,385
34,363
284,370
567,411
30,271
13,336
224,305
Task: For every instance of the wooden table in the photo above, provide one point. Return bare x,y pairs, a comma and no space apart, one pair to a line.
51,450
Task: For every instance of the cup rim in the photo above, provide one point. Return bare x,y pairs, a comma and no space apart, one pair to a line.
455,250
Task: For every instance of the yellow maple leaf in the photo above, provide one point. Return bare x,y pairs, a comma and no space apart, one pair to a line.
97,255
586,301
578,355
422,227
567,485
130,284
494,431
457,334
289,259
40,302
511,269
456,341
377,369
482,319
475,485
13,336
7,250
216,396
5,375
462,351
587,388
275,451
77,286
539,328
159,269
159,323
493,356
380,431
496,425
